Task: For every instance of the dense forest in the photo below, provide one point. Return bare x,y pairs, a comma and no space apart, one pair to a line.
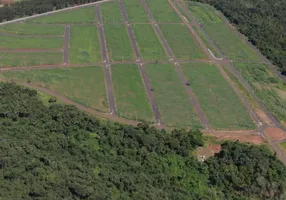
57,152
30,7
262,21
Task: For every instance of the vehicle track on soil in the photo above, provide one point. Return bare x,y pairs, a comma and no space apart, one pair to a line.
106,63
66,44
140,64
193,98
30,35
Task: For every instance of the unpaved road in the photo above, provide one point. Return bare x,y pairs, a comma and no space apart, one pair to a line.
167,48
106,63
66,44
144,75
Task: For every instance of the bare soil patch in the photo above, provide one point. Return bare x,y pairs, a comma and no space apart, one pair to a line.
208,151
275,133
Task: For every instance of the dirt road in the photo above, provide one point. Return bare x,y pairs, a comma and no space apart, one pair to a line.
140,64
168,50
66,44
106,63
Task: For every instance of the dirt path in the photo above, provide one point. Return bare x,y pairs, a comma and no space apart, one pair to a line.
29,35
144,75
106,63
168,50
27,50
66,44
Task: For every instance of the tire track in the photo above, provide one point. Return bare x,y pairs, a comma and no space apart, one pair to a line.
106,63
66,44
144,75
167,48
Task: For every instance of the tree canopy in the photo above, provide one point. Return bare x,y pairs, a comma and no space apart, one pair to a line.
58,152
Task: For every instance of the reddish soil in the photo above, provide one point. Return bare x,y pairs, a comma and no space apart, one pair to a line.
275,133
242,136
6,2
208,151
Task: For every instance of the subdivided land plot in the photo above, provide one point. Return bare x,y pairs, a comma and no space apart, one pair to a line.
83,85
130,94
220,103
149,45
182,42
135,11
110,13
20,59
74,16
174,104
84,45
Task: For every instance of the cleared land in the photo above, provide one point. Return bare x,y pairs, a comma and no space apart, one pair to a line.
110,13
14,42
118,42
30,59
268,87
225,38
130,95
181,42
135,11
81,15
21,28
84,45
84,85
217,99
149,45
162,11
173,102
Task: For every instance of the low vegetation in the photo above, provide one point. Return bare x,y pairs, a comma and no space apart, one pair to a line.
57,152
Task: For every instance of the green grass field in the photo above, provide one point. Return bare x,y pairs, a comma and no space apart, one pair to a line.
110,12
84,45
149,45
118,42
80,15
20,28
30,59
84,85
225,38
283,145
268,87
182,42
135,11
14,42
217,99
173,102
162,11
130,95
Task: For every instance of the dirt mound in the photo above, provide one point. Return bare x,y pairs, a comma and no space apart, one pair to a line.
275,133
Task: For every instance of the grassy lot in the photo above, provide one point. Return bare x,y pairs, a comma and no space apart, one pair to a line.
174,104
162,11
226,39
118,42
84,85
217,99
30,59
131,99
80,15
135,11
110,13
150,46
20,28
283,145
84,45
182,42
14,42
268,87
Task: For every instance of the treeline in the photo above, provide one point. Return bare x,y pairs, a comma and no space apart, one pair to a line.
58,152
262,21
30,7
